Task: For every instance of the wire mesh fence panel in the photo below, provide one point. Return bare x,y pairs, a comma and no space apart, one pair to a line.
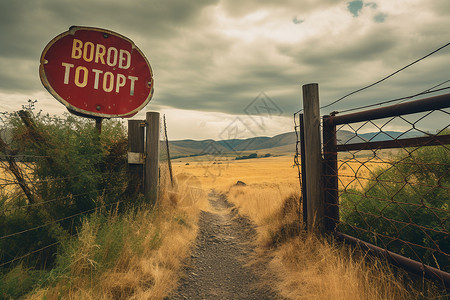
299,161
393,180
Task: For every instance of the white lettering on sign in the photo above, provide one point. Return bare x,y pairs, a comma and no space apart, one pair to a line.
76,49
98,53
67,72
77,76
112,57
97,74
121,80
122,58
90,52
109,81
109,88
133,79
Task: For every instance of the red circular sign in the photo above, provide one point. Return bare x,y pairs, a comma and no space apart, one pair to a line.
96,72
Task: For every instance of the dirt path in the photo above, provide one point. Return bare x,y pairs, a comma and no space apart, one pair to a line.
217,269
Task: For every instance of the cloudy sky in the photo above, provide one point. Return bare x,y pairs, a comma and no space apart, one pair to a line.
217,63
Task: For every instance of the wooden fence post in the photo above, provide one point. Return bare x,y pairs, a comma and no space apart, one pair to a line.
313,158
151,180
136,137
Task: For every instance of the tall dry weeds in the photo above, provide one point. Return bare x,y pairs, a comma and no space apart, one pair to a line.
134,256
308,266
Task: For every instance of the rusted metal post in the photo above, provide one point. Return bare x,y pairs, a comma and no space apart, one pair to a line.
168,151
136,137
330,174
151,181
401,261
303,166
313,157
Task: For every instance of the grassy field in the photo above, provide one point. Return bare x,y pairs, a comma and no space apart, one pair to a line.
223,174
305,266
141,253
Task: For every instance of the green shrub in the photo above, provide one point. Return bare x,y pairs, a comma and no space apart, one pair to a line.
76,171
18,282
252,155
414,190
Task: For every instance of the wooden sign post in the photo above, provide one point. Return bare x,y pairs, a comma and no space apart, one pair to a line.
151,179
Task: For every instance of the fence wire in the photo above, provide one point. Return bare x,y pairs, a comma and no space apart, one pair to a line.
391,182
46,189
397,197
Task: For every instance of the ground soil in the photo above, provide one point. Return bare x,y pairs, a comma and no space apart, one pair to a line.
219,267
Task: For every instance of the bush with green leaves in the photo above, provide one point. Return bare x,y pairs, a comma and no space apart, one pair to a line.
405,207
75,171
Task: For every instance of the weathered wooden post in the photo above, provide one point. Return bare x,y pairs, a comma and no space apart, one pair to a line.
151,180
313,158
136,157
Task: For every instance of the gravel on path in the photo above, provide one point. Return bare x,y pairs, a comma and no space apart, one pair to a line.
218,267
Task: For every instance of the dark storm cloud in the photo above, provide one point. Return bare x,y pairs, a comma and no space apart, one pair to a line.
371,46
27,26
235,93
219,55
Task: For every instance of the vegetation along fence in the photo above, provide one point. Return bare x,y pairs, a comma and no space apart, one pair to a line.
54,171
380,178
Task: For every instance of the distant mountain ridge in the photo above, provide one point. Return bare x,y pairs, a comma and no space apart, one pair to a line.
280,144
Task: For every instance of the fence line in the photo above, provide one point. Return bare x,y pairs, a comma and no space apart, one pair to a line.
385,189
27,192
38,188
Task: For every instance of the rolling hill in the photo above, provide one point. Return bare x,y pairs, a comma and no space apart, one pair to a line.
282,144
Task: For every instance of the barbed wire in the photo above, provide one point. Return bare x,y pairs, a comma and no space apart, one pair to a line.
402,99
72,196
383,79
21,175
72,177
392,199
59,220
50,245
28,254
386,77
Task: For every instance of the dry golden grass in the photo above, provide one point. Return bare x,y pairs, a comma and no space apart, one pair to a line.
162,237
305,266
8,182
224,174
313,268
